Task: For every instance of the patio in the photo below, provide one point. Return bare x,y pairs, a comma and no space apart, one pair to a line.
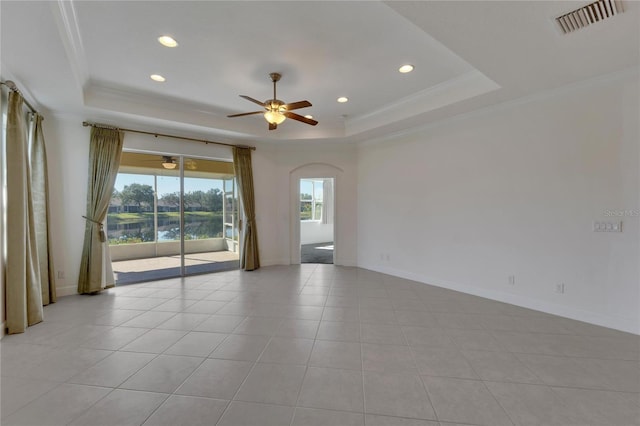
153,268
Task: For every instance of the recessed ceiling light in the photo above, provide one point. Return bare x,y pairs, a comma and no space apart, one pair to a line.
309,116
406,68
167,41
342,99
158,78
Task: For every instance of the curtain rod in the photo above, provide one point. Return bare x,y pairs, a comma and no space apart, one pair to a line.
105,126
12,86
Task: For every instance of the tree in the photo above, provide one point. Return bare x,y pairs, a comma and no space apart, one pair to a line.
213,200
172,199
194,198
137,194
305,206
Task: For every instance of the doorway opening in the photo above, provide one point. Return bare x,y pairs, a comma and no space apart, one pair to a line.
172,216
316,220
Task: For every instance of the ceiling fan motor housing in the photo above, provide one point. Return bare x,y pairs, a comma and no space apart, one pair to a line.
275,105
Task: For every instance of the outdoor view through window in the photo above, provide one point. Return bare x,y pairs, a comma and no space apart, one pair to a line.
132,213
143,222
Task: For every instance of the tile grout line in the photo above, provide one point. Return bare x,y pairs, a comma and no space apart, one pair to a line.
424,385
306,367
492,332
246,377
187,378
364,395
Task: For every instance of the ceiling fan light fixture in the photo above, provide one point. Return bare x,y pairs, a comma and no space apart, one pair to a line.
169,166
274,117
169,163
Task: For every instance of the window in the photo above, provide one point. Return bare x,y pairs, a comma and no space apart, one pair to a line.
145,205
311,193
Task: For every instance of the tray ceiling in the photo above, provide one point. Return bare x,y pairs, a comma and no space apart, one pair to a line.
94,58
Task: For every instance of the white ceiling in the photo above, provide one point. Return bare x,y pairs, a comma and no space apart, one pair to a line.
93,59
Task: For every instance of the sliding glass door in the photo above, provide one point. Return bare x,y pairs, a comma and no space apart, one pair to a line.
230,215
207,245
172,216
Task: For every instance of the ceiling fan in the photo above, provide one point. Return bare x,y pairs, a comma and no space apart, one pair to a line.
276,111
169,162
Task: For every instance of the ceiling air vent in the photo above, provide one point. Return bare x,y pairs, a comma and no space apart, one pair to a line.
589,14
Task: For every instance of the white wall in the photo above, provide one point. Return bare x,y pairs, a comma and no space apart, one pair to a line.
165,248
67,145
513,190
272,166
312,232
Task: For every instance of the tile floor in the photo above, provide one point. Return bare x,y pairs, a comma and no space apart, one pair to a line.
312,345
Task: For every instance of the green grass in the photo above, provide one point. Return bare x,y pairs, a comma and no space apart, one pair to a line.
137,217
129,216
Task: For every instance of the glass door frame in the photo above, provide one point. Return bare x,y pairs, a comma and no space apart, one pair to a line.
236,221
183,268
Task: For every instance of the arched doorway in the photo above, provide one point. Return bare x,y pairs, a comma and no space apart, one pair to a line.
329,177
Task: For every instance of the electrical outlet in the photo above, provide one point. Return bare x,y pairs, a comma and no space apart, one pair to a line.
61,275
560,288
602,226
512,280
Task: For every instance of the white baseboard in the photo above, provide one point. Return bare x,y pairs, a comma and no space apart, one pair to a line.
66,290
623,324
273,262
346,262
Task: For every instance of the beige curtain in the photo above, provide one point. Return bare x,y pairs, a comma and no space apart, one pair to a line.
23,291
104,159
244,174
40,197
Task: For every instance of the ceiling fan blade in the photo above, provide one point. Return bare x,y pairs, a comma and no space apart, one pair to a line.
297,105
294,116
255,101
245,113
273,126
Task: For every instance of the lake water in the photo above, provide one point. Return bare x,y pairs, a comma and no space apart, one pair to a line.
196,227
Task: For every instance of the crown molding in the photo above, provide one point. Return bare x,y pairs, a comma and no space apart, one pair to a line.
121,99
66,19
149,106
463,87
629,72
